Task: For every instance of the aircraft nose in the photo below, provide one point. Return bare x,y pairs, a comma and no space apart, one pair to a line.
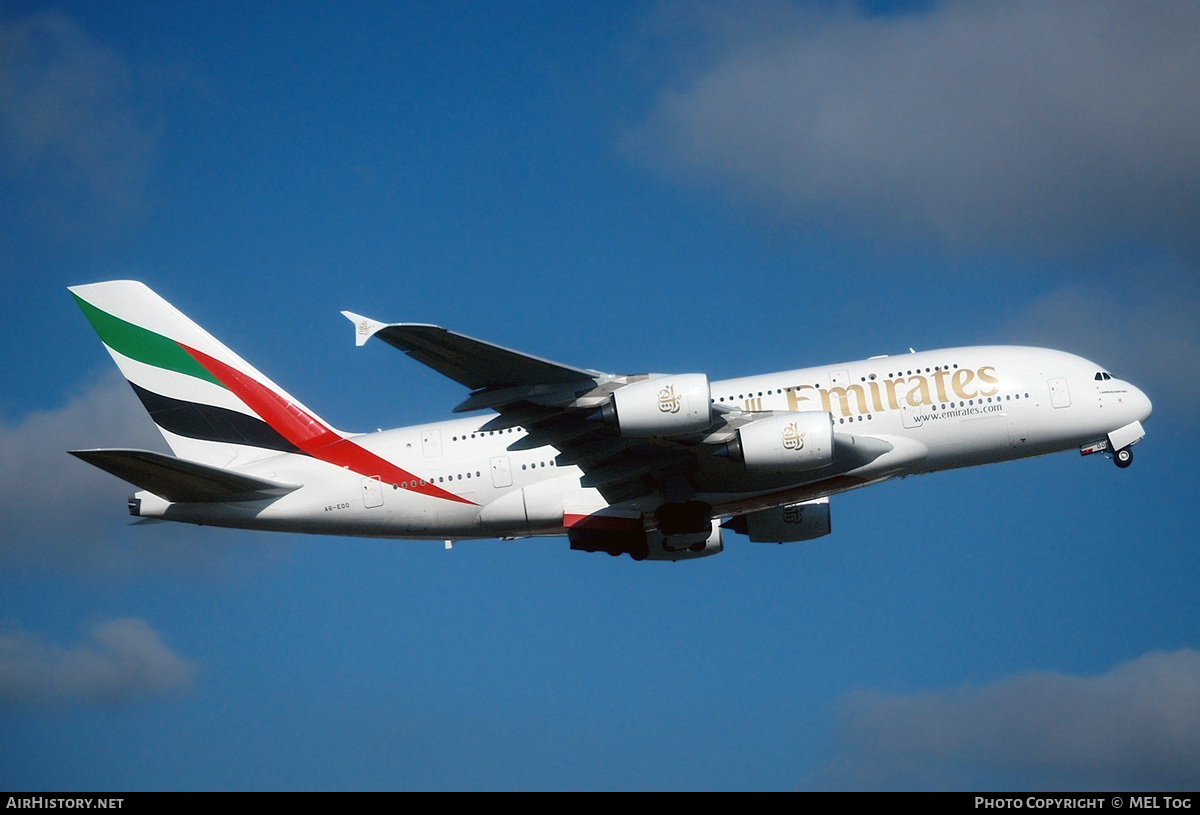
1141,405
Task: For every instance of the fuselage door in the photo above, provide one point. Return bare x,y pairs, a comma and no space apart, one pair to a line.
501,472
431,443
1060,396
372,492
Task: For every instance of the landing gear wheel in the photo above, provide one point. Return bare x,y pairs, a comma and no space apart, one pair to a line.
1123,457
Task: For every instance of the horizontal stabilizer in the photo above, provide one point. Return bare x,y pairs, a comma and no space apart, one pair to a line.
181,481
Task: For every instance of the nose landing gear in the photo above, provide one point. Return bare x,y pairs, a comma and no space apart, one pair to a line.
1122,457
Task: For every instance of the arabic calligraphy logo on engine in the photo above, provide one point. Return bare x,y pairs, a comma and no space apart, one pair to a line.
793,437
668,400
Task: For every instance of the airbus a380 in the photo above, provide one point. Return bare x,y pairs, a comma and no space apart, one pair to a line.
653,466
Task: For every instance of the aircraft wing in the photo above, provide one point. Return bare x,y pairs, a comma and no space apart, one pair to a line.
556,404
466,360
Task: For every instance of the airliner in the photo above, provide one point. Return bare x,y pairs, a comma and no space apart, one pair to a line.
654,466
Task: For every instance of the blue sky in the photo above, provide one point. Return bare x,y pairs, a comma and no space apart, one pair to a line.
621,186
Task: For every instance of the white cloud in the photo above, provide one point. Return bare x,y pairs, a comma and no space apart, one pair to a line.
75,149
50,500
1149,335
124,660
62,514
1057,124
1135,727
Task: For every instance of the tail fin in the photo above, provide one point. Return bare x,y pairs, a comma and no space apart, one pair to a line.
210,405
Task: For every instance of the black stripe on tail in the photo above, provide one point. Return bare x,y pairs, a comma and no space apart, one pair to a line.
211,423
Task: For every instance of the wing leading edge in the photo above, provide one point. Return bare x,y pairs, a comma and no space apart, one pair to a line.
477,364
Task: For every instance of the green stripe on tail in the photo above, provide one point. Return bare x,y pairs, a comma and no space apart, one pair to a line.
141,344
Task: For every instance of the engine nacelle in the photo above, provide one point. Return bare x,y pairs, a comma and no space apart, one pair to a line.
785,443
796,522
662,406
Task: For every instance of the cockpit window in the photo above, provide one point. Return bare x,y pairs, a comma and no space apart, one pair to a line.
1101,376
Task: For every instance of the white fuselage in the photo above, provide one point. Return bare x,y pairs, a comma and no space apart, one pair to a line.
937,410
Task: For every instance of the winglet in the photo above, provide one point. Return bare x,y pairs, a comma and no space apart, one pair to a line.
364,327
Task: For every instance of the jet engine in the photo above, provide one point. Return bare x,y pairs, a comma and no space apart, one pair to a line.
796,522
661,406
784,443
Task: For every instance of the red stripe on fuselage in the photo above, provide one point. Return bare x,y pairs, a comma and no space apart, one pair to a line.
607,522
308,432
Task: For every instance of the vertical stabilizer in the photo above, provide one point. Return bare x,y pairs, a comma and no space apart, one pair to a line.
210,404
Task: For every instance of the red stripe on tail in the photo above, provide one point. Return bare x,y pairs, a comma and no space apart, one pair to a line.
311,435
